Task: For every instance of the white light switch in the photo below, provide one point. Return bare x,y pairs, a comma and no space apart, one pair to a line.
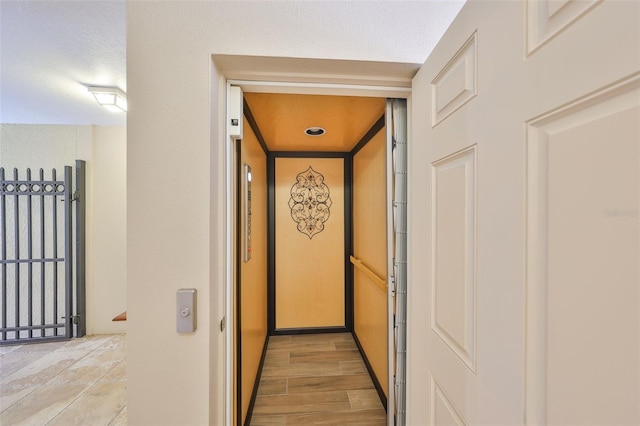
186,310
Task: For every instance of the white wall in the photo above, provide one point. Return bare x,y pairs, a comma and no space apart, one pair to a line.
172,205
103,148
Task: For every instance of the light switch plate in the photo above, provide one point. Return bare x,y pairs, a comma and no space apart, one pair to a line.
186,314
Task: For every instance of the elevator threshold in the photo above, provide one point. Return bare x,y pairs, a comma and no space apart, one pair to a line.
316,379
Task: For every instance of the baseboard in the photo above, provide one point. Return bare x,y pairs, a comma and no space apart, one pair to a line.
309,330
254,394
376,383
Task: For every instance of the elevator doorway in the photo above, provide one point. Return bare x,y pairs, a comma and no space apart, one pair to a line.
319,246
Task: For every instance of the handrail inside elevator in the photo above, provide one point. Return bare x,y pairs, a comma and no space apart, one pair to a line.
379,282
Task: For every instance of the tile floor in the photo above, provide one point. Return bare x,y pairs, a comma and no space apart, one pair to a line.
316,379
77,382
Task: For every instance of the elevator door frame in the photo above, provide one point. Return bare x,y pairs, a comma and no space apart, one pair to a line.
302,88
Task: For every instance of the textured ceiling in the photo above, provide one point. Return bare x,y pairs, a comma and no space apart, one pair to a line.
51,50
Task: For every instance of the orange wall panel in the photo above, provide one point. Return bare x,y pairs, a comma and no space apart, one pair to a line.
370,323
309,268
370,247
253,274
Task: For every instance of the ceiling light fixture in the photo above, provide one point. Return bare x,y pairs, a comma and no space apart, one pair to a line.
314,131
111,98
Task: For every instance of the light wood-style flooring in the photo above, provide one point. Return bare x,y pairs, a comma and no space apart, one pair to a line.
316,379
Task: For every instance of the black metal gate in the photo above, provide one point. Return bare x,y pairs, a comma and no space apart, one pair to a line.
36,256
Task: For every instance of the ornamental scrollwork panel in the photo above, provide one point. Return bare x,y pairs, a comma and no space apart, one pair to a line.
310,202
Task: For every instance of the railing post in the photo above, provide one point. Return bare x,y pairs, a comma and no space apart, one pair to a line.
80,199
30,257
16,241
68,252
3,254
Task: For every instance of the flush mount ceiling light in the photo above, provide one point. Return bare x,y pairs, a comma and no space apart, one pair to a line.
314,131
111,98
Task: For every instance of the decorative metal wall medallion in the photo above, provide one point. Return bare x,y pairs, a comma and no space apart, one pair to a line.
310,202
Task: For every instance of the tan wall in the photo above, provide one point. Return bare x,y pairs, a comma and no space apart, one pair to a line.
370,247
253,274
309,271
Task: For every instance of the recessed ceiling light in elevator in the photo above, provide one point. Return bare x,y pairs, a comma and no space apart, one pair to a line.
314,131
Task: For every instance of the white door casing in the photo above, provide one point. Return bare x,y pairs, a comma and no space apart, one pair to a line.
524,223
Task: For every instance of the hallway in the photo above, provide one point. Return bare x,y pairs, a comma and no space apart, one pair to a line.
316,379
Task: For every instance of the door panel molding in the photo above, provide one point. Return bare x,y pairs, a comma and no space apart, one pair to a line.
442,406
548,18
453,253
456,84
601,104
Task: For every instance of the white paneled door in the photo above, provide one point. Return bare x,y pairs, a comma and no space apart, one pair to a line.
524,217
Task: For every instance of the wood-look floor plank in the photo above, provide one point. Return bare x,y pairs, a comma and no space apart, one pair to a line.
276,359
275,339
296,347
347,417
364,399
303,369
272,386
329,383
346,345
353,367
268,420
334,356
305,402
326,337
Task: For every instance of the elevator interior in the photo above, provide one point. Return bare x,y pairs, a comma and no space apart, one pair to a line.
311,224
